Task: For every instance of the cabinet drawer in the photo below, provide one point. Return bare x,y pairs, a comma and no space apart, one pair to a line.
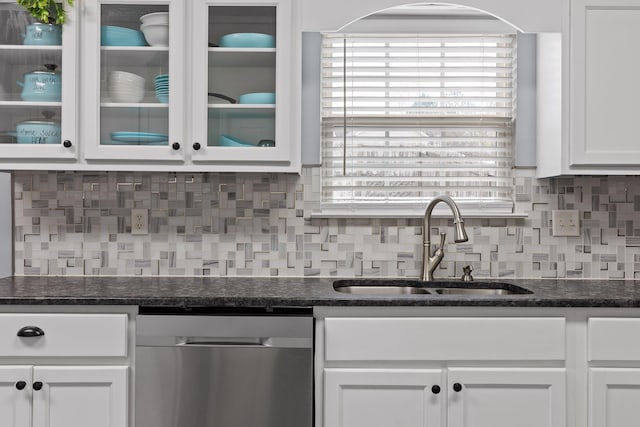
64,335
442,338
614,339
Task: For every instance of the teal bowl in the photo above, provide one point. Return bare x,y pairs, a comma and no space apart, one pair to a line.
230,141
258,98
121,36
255,40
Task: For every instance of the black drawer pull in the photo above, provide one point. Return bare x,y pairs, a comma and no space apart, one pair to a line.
21,385
30,331
37,386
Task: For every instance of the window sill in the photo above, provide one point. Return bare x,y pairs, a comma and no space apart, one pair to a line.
414,214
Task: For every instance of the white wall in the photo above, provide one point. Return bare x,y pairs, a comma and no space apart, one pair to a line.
537,16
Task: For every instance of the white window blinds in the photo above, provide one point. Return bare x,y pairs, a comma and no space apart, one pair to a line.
406,118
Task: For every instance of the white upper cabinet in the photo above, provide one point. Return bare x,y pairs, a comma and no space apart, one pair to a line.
158,85
588,91
134,90
605,89
241,73
38,91
214,94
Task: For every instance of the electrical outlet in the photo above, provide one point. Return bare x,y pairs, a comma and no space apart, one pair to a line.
565,223
139,221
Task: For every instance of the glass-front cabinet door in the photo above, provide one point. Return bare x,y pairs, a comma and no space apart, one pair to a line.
133,87
38,88
242,74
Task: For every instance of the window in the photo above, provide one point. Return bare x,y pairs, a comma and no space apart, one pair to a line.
406,118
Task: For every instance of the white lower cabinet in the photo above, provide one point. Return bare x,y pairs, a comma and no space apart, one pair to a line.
63,396
15,397
74,396
504,397
443,371
470,397
62,369
613,353
614,397
383,397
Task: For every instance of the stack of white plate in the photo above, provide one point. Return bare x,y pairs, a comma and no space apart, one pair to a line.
125,87
162,87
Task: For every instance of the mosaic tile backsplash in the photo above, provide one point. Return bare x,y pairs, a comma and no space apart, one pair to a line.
225,224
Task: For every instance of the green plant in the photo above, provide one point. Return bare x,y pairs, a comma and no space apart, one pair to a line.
47,11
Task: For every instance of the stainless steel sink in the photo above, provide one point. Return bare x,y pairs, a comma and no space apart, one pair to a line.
380,287
382,290
408,287
476,288
476,291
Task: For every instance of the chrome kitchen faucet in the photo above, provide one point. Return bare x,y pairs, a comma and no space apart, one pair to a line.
430,263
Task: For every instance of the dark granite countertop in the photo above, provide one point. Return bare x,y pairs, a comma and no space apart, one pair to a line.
234,292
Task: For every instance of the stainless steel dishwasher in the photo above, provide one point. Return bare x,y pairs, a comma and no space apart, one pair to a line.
224,371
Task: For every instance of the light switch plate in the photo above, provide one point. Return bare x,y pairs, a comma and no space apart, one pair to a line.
139,221
565,223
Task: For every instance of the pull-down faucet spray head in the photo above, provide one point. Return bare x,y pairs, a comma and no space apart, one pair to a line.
460,233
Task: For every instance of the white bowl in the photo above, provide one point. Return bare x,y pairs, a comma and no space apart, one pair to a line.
125,77
118,91
124,85
134,95
156,34
155,18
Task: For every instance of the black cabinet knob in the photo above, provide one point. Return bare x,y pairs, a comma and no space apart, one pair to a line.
30,331
175,145
21,385
457,387
37,386
67,143
196,146
435,389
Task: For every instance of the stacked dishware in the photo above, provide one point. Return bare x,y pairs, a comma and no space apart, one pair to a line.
136,138
162,87
243,40
125,87
121,36
155,27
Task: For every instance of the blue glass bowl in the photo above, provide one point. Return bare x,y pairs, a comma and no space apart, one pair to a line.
121,36
255,40
257,98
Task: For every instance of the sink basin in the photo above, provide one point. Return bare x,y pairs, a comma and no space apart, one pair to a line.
408,287
380,287
477,288
382,290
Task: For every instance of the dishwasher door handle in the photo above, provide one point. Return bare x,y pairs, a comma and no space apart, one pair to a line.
271,342
223,342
